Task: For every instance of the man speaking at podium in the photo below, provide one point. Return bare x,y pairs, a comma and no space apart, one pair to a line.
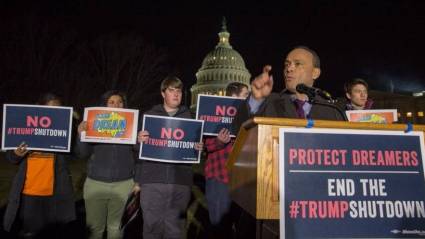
298,100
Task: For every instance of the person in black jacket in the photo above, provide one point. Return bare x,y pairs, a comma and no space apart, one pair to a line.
110,173
41,195
165,188
302,66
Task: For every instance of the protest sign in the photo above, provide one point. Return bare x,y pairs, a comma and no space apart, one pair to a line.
110,125
218,112
42,128
171,139
372,116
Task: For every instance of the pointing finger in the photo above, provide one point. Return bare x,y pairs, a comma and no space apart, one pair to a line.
267,68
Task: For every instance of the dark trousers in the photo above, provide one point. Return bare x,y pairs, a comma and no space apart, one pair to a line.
36,213
219,205
218,199
164,209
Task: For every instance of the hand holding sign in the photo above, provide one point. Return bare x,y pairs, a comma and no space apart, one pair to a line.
21,150
199,146
143,136
223,136
82,127
136,189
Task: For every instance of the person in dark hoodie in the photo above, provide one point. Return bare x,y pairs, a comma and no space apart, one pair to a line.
165,188
41,195
357,92
110,173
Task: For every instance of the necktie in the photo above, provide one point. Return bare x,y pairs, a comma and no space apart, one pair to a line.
299,106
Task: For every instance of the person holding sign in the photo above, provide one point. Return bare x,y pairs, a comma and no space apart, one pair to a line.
165,188
216,175
301,67
359,107
41,193
110,173
356,92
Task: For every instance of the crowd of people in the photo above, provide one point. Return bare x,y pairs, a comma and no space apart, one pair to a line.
42,191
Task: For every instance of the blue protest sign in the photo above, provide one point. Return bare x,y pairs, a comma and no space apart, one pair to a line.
43,128
171,139
351,184
218,112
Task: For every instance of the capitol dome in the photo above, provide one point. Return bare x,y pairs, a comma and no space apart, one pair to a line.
220,67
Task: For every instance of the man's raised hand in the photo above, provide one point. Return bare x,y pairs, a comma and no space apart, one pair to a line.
263,84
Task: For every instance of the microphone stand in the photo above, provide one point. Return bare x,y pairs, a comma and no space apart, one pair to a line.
312,101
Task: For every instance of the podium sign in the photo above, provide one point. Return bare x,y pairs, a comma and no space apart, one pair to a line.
337,183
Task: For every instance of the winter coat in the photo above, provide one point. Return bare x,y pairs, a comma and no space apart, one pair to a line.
160,172
62,194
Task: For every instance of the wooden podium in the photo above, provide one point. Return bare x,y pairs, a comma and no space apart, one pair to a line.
254,162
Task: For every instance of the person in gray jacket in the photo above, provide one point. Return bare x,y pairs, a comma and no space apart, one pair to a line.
110,172
165,187
41,195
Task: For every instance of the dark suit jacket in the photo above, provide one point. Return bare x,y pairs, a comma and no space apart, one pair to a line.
281,105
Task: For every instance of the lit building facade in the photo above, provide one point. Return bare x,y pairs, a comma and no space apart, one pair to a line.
220,67
410,108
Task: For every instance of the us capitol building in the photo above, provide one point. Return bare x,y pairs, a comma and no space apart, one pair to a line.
220,67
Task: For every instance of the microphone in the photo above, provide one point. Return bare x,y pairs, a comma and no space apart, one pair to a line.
311,92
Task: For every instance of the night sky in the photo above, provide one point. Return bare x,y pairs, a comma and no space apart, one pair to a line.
380,41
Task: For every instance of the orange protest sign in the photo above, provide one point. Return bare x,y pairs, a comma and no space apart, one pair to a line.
110,125
373,116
